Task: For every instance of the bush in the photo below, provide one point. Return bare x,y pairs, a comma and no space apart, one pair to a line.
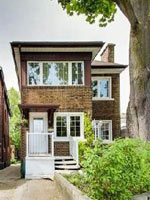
118,170
89,136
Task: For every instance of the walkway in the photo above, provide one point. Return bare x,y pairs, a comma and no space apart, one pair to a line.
14,188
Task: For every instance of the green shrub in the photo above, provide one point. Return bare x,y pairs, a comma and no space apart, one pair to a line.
89,136
13,161
118,170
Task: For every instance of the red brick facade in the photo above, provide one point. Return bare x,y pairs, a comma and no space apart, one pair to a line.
109,109
4,127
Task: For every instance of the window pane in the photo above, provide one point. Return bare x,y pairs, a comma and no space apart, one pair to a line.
74,74
38,125
55,73
77,73
75,126
95,88
61,126
104,88
34,73
104,130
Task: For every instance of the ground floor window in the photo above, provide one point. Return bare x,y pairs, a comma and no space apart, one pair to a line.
103,129
68,124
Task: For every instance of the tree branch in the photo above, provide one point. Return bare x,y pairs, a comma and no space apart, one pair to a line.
127,8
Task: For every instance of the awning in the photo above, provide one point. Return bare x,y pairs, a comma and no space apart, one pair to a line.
26,108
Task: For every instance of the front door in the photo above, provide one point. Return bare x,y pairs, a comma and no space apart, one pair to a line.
38,134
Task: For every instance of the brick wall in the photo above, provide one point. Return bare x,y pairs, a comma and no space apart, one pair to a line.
69,99
108,54
110,110
61,149
4,130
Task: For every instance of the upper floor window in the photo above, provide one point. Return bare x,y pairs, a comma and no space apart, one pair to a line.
101,87
55,73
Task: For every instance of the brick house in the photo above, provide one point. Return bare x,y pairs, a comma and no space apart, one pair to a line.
59,82
4,124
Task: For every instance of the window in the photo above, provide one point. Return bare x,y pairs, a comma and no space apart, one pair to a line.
61,126
77,74
38,125
103,129
75,126
69,124
34,74
101,88
55,73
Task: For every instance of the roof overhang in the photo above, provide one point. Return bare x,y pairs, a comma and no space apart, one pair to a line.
33,47
37,107
104,70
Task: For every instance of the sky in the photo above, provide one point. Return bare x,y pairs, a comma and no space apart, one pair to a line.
45,20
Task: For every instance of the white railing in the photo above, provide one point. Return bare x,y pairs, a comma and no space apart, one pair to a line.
74,149
40,144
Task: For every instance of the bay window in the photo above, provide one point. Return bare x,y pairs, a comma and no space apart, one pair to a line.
55,73
101,87
68,124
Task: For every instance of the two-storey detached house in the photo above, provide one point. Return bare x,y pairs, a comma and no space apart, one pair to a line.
4,124
59,82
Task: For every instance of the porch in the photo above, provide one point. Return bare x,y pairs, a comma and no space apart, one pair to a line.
40,152
51,139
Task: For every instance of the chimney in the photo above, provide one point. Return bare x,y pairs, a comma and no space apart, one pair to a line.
108,54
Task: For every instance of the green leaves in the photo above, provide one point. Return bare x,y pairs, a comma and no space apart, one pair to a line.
103,10
118,170
15,120
89,135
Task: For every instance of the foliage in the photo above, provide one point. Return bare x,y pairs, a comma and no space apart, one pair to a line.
78,180
14,161
88,130
118,170
15,121
102,9
89,135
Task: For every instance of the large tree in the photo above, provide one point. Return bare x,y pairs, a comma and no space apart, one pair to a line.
138,14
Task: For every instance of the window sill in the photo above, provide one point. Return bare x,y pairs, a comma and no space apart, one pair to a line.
102,99
58,86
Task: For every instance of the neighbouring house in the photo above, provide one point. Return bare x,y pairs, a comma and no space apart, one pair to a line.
4,124
59,82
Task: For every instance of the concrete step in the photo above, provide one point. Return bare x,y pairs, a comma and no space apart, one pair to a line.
57,158
65,162
67,167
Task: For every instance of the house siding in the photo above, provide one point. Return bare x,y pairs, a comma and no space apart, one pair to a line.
69,98
109,109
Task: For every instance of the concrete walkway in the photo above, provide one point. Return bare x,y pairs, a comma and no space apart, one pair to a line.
14,188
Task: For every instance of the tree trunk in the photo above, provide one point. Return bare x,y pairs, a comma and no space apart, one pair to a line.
138,112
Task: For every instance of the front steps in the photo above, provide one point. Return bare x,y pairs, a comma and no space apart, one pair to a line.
66,163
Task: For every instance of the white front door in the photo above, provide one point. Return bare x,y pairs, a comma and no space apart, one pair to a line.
38,128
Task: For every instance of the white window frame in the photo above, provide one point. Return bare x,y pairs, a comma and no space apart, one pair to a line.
110,87
69,72
110,129
68,115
